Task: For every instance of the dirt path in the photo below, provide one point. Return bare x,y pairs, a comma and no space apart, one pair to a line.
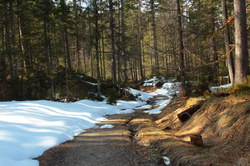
102,147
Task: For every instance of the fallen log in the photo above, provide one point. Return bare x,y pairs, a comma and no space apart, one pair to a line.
185,115
222,94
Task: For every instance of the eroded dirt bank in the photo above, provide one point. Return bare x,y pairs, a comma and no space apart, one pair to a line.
223,123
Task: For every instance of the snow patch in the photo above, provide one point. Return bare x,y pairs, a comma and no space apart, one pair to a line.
153,81
162,104
107,126
143,107
29,128
216,88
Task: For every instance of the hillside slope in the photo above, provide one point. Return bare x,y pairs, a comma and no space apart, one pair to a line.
223,123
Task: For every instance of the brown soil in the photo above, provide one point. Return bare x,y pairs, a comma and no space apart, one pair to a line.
102,147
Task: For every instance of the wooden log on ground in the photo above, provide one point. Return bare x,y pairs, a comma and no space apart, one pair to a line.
185,115
221,94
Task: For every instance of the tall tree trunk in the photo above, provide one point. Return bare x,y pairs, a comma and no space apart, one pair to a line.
90,46
140,40
214,56
227,40
77,36
67,49
119,49
48,56
112,37
97,48
8,46
13,40
181,50
156,55
241,49
3,67
25,39
124,55
103,56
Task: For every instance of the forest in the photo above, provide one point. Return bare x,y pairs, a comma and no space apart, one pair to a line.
124,83
58,48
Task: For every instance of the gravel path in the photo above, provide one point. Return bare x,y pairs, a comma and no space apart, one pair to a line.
101,147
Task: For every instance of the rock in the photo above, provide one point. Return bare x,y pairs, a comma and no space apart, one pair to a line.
166,160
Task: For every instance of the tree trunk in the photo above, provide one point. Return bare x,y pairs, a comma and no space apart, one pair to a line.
67,49
181,50
78,67
25,40
8,46
140,40
3,73
214,56
241,49
103,56
156,55
13,40
124,55
112,37
230,59
97,48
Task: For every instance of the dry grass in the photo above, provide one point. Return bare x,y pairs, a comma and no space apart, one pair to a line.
224,124
148,89
170,118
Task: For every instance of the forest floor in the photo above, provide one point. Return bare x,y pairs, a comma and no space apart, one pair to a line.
141,139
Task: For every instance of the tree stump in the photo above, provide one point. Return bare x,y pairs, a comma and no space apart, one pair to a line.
196,140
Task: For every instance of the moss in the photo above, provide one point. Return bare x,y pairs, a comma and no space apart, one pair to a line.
240,89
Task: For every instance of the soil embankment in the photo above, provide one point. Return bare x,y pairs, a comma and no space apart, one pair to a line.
222,122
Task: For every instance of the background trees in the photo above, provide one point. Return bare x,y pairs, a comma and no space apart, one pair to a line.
47,46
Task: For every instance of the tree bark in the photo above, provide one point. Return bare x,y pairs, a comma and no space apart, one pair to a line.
97,48
241,48
227,40
156,55
112,38
103,55
78,67
3,67
214,56
181,50
8,46
124,55
67,49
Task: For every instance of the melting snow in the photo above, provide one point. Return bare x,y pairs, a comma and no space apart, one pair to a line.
29,128
215,88
106,126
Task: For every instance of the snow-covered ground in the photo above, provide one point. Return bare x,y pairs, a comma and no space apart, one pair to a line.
216,88
153,81
29,128
106,126
167,89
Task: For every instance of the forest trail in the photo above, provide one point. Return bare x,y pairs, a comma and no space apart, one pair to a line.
103,147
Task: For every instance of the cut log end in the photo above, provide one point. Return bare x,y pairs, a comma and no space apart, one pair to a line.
196,140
